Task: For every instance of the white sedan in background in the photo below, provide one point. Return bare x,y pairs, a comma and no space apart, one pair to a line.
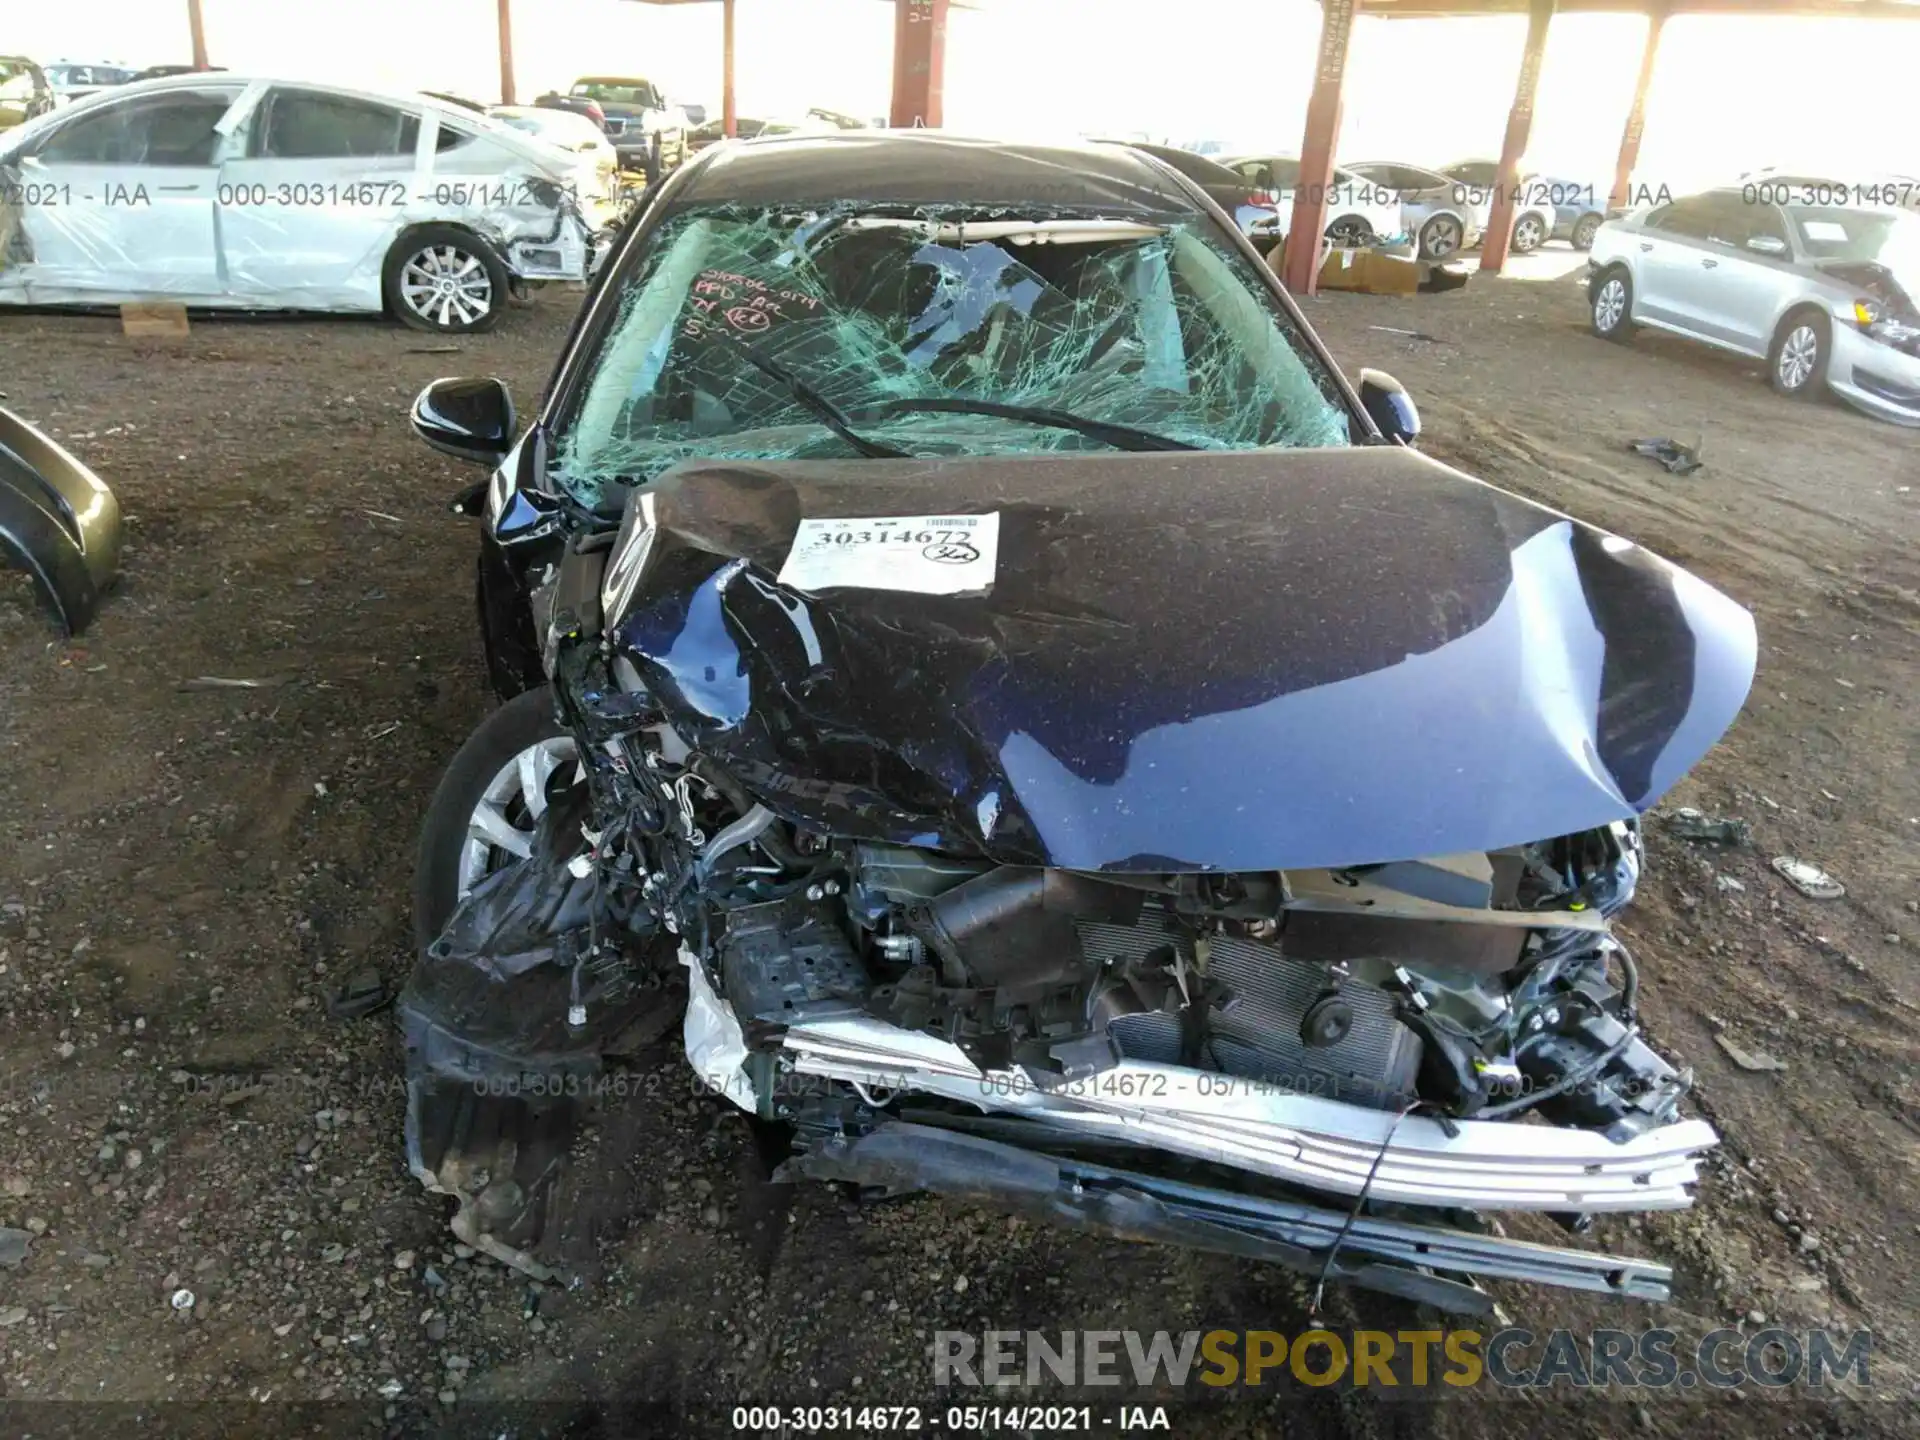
1359,211
216,191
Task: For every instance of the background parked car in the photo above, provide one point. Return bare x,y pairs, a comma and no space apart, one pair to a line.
461,102
744,128
224,192
1359,212
1432,209
1254,210
72,81
1824,293
161,72
648,130
1783,186
24,91
1536,215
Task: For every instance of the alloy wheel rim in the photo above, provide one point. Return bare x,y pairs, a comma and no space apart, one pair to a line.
1797,357
501,826
1528,235
1607,309
446,285
1445,236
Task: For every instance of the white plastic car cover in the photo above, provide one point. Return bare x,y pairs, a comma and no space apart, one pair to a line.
271,233
716,1046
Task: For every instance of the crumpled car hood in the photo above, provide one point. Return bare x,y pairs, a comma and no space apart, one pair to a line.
1208,661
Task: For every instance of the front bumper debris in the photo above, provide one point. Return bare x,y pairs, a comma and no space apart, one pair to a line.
1415,1262
59,521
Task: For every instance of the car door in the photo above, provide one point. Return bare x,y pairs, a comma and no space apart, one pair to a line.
309,206
1668,278
130,194
1742,289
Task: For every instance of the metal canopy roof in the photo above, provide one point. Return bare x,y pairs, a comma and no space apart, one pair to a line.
1825,9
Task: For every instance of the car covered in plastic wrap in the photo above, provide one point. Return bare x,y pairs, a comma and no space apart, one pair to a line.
221,192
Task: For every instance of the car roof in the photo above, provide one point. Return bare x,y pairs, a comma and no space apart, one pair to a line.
930,167
470,120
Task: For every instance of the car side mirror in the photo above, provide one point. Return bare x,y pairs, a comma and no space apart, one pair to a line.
1389,406
1766,244
469,419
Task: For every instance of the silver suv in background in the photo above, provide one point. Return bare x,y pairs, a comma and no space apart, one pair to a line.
1823,293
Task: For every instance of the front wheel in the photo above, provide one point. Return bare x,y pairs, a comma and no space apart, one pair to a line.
1799,359
443,279
484,812
1584,229
1611,300
1529,234
1440,237
1350,231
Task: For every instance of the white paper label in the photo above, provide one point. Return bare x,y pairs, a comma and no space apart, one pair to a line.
924,554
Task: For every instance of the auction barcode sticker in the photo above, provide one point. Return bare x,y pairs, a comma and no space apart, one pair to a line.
924,554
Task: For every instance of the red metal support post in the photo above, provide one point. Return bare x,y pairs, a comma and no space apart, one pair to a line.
506,52
197,28
1300,260
1506,182
919,63
1637,116
729,113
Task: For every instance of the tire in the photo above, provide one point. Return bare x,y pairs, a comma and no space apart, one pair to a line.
1528,235
444,280
1797,359
1440,238
484,764
1583,231
1610,304
1350,230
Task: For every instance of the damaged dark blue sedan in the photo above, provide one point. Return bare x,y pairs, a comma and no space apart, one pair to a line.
971,660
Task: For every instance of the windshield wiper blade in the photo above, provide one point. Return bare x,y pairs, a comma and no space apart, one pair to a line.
1121,437
822,409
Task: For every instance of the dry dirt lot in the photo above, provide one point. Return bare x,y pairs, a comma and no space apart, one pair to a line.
186,874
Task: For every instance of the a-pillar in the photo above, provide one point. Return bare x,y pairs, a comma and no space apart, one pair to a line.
919,63
1300,260
1506,183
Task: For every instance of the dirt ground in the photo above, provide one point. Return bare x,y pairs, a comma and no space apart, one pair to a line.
186,873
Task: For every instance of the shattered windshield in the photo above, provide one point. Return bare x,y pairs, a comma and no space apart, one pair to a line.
1114,322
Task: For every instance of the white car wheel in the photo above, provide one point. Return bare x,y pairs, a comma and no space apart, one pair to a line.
443,279
1440,237
1528,235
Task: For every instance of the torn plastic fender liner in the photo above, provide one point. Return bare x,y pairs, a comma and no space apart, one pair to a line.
59,521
